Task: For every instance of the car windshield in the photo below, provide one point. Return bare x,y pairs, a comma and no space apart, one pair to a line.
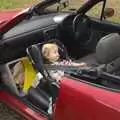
95,11
73,5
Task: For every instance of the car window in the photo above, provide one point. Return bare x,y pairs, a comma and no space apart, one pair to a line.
96,10
115,5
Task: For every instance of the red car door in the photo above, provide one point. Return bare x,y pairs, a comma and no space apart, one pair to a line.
82,101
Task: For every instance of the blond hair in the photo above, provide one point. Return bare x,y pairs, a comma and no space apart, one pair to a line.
47,48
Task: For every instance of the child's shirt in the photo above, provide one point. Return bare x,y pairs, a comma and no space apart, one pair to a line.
58,74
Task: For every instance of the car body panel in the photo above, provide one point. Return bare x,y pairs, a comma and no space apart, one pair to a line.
7,14
82,101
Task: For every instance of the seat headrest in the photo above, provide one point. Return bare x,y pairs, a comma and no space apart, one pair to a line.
108,48
62,49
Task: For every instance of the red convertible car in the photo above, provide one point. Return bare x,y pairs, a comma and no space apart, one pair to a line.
90,93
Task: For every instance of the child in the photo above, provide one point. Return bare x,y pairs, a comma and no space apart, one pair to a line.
50,52
24,73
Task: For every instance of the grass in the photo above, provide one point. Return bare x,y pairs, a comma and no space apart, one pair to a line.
115,4
13,4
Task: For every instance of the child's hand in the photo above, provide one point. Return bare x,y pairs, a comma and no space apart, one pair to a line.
70,63
80,65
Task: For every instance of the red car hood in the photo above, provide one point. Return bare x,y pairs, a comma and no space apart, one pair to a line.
7,15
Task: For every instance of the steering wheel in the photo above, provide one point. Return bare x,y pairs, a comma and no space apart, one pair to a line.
75,22
80,26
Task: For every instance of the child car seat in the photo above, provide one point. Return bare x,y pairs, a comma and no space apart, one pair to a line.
29,69
62,50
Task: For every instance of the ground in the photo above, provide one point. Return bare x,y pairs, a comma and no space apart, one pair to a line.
5,112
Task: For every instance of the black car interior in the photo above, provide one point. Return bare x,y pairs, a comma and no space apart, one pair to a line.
103,67
88,31
79,33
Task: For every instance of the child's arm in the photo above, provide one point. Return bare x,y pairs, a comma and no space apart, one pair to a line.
71,63
82,64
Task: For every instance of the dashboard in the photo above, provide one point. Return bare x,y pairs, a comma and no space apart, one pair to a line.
28,32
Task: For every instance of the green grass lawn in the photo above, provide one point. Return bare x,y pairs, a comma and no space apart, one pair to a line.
12,4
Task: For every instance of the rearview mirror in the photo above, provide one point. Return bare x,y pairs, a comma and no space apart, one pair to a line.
63,5
108,12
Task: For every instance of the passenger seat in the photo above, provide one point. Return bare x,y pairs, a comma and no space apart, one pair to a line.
107,50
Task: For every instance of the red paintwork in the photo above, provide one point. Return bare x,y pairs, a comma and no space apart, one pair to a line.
80,101
19,107
14,18
7,15
76,101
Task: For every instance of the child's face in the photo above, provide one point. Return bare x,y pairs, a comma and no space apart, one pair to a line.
50,52
53,54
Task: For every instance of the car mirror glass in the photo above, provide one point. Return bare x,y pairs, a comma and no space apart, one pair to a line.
108,12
